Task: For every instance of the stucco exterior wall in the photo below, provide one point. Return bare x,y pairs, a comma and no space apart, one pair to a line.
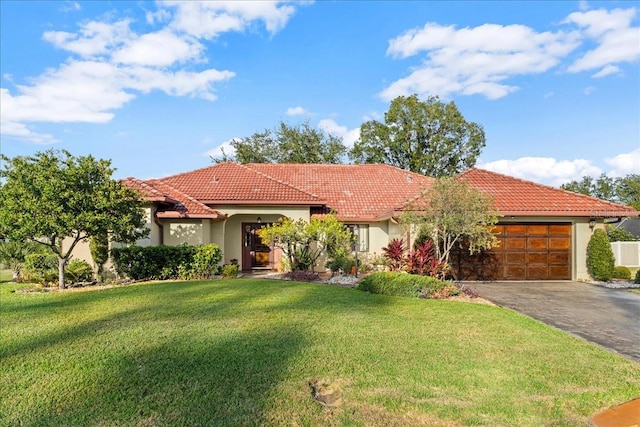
378,236
232,231
191,232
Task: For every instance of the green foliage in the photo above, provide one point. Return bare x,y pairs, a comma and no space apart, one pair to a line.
205,261
625,190
621,272
304,242
451,213
288,144
167,262
153,262
406,285
636,280
600,258
341,263
617,234
13,253
54,195
78,271
41,268
230,271
99,247
427,137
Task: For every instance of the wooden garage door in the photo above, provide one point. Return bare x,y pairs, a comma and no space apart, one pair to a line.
526,252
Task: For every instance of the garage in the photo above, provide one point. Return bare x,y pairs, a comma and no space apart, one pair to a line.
532,251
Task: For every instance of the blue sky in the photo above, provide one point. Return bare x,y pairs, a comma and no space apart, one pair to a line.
159,87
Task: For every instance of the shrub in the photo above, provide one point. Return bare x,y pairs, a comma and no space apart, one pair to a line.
205,261
407,285
637,279
342,263
600,258
230,271
394,254
78,271
621,272
152,262
41,268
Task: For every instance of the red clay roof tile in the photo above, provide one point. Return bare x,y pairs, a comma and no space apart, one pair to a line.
367,192
517,197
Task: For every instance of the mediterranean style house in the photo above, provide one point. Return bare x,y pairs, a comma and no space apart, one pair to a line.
543,231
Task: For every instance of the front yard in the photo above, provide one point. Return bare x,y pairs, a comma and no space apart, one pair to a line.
241,352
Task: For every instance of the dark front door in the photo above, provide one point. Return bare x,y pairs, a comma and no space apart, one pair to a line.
255,254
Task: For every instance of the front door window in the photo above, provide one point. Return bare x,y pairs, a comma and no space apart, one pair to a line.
255,253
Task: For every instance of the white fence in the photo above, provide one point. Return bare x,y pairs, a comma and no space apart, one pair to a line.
626,253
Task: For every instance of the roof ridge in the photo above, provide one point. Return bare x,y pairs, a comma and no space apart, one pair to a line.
537,184
279,181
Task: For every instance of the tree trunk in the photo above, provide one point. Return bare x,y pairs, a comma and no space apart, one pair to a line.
61,264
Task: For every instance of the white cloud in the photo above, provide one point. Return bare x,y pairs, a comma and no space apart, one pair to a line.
589,90
606,71
617,40
624,164
210,19
111,64
70,6
349,137
476,60
481,60
159,49
296,111
93,38
21,132
545,170
226,147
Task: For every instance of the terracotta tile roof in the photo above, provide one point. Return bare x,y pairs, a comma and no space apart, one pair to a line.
173,203
356,192
517,197
149,192
231,183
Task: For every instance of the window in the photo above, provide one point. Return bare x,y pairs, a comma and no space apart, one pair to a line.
363,236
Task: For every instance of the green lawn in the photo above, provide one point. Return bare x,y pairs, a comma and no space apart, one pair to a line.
5,276
240,353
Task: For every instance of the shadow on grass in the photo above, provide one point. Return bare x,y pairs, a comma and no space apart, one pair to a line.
187,382
175,378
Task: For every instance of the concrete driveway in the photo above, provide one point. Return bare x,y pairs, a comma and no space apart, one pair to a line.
608,317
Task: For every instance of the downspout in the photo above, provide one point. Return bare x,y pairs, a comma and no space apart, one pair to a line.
160,227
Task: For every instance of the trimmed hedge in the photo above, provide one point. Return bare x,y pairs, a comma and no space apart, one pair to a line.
167,262
622,272
600,258
407,285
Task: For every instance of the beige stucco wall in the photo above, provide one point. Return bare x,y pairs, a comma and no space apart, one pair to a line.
231,227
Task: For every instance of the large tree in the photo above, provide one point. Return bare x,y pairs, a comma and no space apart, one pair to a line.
427,137
288,144
452,213
53,196
625,190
